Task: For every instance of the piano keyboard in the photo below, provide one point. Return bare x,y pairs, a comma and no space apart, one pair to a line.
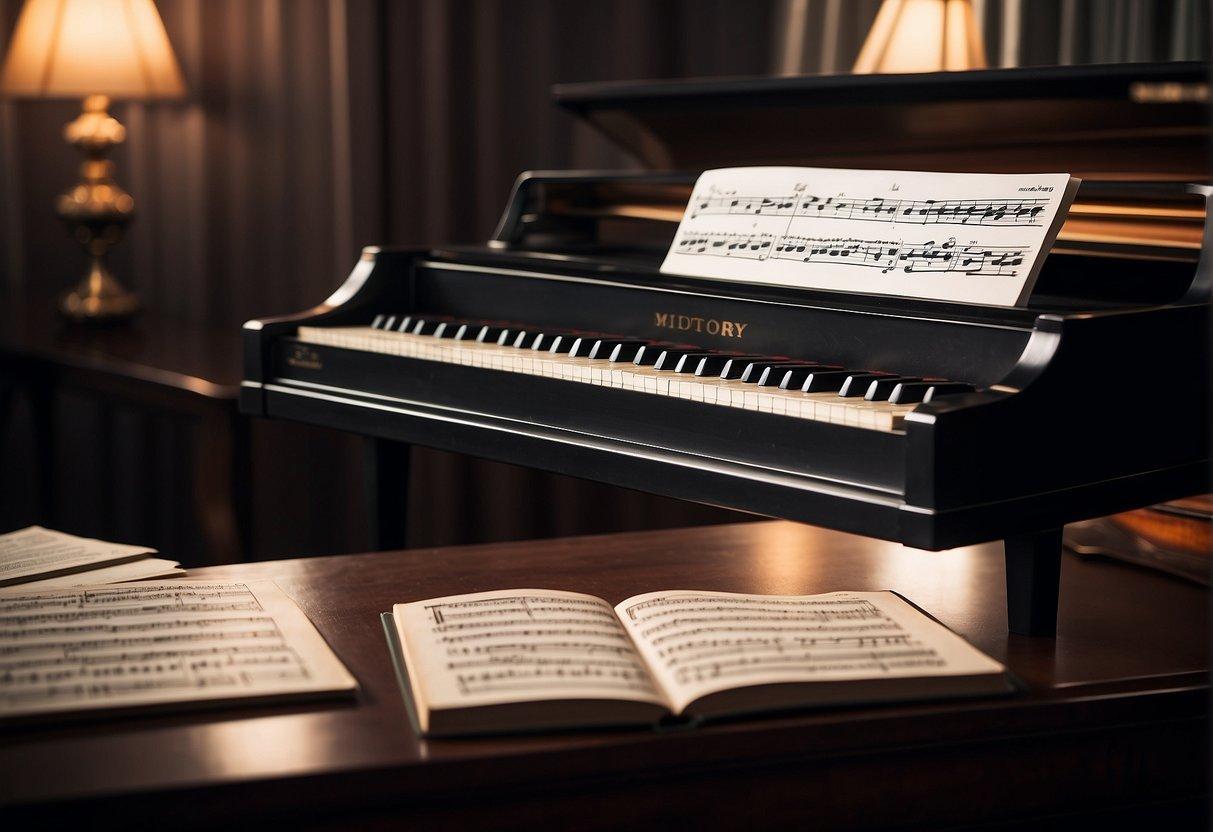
769,384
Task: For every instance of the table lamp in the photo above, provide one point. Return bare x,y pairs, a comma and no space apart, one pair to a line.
922,36
95,50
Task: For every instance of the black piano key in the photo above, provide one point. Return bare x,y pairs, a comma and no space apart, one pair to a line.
880,389
647,355
947,388
627,351
377,322
713,364
735,368
789,376
543,341
856,384
670,357
754,370
406,324
490,334
581,346
825,381
651,352
451,329
560,343
525,339
688,363
909,392
604,348
425,326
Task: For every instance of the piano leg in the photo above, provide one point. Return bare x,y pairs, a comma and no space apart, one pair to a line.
1033,580
387,489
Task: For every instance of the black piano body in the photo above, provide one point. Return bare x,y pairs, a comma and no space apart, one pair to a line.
1091,400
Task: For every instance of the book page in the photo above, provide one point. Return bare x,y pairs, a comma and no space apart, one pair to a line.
962,237
698,643
36,552
519,645
135,570
106,647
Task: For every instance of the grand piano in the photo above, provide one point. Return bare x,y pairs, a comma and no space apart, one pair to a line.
558,344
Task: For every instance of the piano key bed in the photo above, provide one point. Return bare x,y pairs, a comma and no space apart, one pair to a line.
770,384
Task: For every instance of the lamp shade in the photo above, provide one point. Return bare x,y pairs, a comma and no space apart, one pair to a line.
77,48
922,36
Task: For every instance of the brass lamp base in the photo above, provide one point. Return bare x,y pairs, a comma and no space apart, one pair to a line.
97,211
98,298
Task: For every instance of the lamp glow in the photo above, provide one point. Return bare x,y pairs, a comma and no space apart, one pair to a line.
95,50
922,36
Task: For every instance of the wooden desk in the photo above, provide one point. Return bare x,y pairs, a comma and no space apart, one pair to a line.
185,371
1114,724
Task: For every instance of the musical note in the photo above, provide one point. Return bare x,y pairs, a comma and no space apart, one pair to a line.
988,212
147,643
886,255
747,246
972,238
703,639
544,645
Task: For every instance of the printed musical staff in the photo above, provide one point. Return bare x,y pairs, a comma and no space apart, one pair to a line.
884,255
747,246
148,643
549,645
972,238
997,212
709,639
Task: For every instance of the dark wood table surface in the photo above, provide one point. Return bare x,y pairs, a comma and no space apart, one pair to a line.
1113,723
154,362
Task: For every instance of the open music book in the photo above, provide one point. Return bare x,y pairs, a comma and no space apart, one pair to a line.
529,659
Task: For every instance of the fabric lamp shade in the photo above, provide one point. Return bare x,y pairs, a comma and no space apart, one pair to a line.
78,48
922,36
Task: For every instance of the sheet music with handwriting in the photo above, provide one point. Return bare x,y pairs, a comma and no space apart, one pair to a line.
120,646
524,644
968,238
697,643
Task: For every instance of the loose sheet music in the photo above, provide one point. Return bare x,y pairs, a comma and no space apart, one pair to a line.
524,644
106,647
137,570
970,238
697,643
36,552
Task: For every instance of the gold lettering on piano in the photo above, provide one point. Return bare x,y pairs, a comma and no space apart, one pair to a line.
693,323
305,357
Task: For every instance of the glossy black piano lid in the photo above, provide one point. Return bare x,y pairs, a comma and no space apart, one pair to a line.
1077,119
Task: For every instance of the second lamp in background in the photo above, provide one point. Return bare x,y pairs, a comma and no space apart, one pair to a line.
923,36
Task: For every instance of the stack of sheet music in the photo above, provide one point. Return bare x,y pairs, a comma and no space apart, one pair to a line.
46,559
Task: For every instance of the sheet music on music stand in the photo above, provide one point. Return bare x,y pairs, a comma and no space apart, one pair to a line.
960,237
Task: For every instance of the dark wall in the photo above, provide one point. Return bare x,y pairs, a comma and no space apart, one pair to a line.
314,127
